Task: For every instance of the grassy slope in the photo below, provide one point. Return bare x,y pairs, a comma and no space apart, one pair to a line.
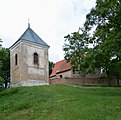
60,102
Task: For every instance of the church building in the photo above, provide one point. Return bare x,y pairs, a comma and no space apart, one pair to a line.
29,60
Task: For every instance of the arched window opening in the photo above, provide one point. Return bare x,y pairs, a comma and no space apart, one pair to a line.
16,59
35,58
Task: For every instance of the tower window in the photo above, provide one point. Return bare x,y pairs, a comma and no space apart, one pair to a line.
35,57
16,59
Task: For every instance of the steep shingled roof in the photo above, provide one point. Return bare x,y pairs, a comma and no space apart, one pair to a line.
60,66
65,66
31,36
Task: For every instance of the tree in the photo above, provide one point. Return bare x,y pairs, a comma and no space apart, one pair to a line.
102,28
0,50
106,20
5,60
4,64
51,66
0,42
75,48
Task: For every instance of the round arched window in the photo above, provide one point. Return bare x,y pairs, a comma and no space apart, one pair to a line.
35,58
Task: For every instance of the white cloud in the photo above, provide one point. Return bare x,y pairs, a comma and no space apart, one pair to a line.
50,19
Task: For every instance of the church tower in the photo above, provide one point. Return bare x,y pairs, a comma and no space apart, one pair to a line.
29,60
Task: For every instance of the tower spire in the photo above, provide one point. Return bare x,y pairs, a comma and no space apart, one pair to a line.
28,23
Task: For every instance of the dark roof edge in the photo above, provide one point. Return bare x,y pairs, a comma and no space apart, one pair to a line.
18,41
52,76
14,44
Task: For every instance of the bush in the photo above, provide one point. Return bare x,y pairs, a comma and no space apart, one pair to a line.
1,80
103,74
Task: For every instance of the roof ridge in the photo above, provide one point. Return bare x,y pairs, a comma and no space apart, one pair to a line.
32,31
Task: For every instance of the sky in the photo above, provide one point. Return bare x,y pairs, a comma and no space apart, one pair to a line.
50,19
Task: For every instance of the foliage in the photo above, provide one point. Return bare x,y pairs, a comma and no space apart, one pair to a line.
76,48
51,66
103,31
0,42
2,80
60,102
0,50
106,19
4,63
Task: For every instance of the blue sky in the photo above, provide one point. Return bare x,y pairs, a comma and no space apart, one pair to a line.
50,19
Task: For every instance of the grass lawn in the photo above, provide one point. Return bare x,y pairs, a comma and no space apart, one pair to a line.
60,102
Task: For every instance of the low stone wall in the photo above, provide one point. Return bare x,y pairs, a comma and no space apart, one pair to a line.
56,81
113,81
84,81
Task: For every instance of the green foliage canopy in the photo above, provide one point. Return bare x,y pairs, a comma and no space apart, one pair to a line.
103,30
4,63
51,66
106,19
76,48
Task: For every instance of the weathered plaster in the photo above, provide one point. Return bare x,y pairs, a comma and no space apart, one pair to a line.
25,73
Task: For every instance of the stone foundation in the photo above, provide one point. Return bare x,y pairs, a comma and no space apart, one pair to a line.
29,83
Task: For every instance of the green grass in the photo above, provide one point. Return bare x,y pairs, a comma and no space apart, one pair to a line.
60,102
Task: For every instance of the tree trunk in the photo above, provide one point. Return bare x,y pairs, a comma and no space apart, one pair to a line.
109,79
118,81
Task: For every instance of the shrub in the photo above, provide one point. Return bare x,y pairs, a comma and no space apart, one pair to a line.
1,80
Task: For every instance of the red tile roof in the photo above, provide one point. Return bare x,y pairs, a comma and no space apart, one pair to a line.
60,66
